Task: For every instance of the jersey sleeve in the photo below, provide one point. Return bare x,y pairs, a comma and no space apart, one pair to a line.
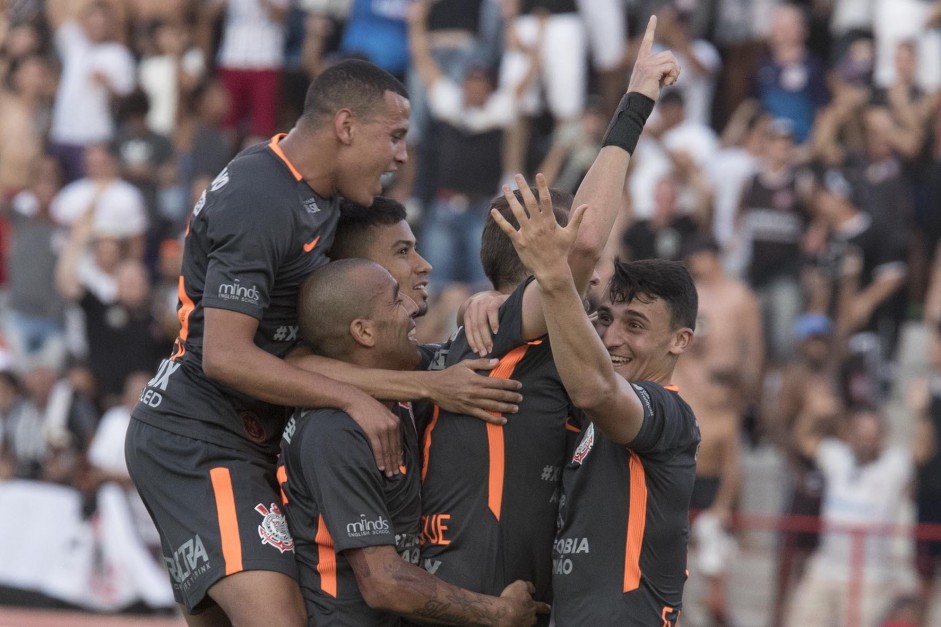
246,240
669,424
340,471
511,322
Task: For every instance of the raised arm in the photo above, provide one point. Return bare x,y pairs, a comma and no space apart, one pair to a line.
602,189
424,64
389,583
582,360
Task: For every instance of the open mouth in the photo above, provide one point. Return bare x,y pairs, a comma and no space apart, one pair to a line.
617,360
413,334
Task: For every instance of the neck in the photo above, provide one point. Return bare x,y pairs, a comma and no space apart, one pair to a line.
308,151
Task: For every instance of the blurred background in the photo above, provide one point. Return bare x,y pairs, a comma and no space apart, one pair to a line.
795,167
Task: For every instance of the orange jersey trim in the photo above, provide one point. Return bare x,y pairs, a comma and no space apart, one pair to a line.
183,315
495,444
671,387
282,479
636,523
228,522
326,559
276,149
426,449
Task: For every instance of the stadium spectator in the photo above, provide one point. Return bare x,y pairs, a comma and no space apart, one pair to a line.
866,485
33,322
96,69
116,206
774,221
790,82
24,121
169,74
249,61
804,398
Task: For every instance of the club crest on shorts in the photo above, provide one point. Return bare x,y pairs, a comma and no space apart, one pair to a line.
273,530
584,447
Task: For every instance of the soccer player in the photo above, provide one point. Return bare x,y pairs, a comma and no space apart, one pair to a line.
356,530
489,491
620,552
381,233
202,444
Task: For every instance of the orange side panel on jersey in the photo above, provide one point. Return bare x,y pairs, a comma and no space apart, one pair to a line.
426,449
326,559
282,479
495,434
228,522
183,314
636,521
276,149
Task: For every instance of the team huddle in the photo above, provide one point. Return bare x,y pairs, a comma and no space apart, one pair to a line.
536,466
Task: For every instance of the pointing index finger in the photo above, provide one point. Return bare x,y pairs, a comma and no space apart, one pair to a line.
646,45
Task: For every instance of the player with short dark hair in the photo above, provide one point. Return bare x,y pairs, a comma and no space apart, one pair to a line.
357,530
203,443
382,233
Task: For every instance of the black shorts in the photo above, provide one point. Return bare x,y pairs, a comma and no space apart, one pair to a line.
218,510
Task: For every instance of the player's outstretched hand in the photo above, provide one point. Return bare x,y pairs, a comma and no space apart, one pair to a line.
652,71
521,608
481,320
460,390
382,429
541,243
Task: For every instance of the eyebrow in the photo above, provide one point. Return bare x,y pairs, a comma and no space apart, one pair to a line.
404,242
633,313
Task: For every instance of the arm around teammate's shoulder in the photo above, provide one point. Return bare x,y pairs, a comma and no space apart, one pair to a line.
389,583
231,357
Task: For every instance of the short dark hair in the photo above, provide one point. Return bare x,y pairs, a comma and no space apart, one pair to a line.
501,263
667,280
357,222
354,84
329,299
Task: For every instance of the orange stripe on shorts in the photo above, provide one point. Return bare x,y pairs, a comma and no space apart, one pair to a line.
228,521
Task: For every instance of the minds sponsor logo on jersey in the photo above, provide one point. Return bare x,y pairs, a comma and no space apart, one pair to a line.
237,291
187,562
365,527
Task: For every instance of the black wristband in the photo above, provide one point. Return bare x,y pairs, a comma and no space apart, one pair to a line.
628,122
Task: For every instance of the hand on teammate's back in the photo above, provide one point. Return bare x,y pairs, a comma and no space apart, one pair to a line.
481,320
461,390
382,429
523,610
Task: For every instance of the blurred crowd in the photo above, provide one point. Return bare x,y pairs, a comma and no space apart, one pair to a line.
795,166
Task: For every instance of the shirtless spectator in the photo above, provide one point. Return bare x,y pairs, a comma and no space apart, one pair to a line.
24,114
719,376
805,399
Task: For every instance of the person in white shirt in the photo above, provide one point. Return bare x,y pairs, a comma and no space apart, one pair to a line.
866,486
95,69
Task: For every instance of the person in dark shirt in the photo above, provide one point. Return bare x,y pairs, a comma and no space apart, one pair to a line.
620,551
356,530
490,492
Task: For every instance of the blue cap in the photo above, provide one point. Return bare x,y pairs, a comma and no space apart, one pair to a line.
811,324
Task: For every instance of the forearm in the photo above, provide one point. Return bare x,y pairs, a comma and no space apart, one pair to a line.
581,359
268,378
602,189
388,385
730,476
401,588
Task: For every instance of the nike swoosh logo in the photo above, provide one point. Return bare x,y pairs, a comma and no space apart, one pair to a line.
309,246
